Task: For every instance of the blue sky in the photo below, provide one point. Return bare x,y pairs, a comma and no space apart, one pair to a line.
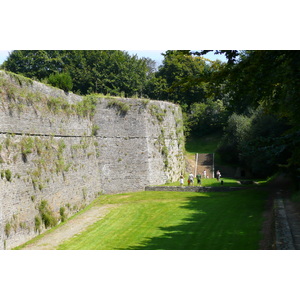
3,55
153,54
156,55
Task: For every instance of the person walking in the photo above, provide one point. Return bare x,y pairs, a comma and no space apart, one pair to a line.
204,174
198,179
191,179
181,180
218,175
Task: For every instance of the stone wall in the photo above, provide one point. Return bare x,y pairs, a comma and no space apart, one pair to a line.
59,151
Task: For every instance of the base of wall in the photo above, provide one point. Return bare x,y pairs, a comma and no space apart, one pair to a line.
199,189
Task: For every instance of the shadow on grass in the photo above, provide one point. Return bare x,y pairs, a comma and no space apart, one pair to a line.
214,223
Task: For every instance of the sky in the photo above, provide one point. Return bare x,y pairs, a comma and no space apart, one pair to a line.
156,55
3,55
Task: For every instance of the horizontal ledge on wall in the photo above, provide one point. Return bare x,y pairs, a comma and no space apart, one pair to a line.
78,136
48,135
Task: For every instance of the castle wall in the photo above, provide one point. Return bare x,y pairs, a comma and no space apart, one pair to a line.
57,156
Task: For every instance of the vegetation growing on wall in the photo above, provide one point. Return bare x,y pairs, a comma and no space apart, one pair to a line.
44,156
121,107
47,215
6,174
19,95
162,148
157,112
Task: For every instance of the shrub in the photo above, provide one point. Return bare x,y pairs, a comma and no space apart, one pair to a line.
62,214
37,223
95,129
87,107
27,145
47,215
61,80
145,102
120,106
8,175
157,112
58,104
7,229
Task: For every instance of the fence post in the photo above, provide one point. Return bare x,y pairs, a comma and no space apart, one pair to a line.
213,175
196,164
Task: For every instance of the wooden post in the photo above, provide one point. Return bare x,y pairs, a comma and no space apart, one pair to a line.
196,164
213,174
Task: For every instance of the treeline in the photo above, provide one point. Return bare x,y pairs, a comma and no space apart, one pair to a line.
84,71
254,98
182,79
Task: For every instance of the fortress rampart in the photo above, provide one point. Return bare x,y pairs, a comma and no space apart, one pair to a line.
59,151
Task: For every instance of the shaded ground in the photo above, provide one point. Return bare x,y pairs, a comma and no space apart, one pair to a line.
50,241
268,239
293,214
280,188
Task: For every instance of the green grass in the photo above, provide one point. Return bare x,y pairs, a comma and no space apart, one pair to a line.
207,182
176,220
205,144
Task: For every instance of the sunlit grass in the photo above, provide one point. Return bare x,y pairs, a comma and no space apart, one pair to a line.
207,182
205,144
177,220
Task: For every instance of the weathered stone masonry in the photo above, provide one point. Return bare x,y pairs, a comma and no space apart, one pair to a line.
56,155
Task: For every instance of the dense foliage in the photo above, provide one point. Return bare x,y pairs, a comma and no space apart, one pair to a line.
91,71
184,79
253,142
263,89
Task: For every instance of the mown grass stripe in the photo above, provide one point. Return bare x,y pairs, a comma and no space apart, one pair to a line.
170,221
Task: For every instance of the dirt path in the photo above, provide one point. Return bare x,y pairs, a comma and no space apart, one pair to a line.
71,228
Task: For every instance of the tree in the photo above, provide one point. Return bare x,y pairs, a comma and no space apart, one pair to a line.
205,118
61,80
178,70
235,136
97,71
268,79
254,142
36,64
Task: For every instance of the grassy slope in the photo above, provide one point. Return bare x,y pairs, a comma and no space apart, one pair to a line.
170,220
206,144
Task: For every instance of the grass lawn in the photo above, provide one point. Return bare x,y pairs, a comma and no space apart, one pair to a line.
207,182
176,220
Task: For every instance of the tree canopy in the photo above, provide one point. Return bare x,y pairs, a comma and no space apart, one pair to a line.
98,71
267,80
